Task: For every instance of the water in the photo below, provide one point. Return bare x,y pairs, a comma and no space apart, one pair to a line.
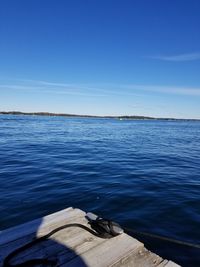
143,174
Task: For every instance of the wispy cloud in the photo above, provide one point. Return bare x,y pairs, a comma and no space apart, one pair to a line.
98,90
191,91
46,90
86,89
178,58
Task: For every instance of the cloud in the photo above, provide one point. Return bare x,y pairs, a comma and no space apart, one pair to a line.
84,88
98,89
46,90
178,58
191,91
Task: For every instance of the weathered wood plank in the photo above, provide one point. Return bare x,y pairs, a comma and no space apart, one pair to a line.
38,250
39,226
75,246
167,263
140,258
40,230
107,253
62,219
63,242
53,249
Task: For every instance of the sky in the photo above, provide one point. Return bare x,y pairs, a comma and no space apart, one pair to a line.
101,57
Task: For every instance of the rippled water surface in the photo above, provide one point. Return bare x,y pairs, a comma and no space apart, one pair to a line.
143,174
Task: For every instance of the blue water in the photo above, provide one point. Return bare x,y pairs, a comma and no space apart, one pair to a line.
143,174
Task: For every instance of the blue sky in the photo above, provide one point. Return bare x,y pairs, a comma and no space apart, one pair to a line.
101,57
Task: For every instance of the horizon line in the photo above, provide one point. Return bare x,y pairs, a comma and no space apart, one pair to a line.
46,113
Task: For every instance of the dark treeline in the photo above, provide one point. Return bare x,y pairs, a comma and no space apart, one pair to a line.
89,116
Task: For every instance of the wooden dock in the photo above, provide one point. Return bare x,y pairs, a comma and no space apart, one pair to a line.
74,246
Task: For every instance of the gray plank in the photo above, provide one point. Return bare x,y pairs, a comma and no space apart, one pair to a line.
68,216
172,264
75,246
67,245
107,253
167,263
41,226
40,231
140,258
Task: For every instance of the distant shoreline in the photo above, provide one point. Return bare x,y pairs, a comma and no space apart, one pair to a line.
92,116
